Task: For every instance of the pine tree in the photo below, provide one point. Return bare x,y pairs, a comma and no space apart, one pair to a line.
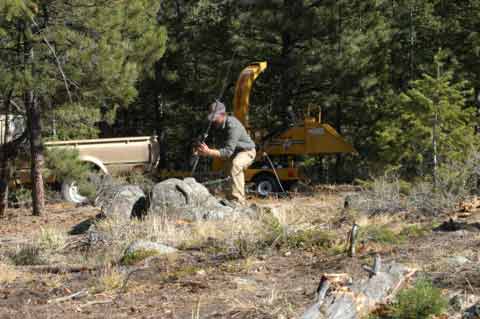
434,123
58,54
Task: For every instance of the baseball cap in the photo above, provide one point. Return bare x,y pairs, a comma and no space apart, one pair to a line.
216,108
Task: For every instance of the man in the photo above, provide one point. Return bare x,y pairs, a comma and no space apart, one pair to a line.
238,151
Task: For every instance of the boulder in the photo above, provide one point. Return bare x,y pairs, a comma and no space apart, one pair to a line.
189,200
139,246
124,201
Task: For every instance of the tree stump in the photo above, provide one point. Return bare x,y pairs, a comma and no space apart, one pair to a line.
356,300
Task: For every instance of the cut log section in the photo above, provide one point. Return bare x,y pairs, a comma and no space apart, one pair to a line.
356,300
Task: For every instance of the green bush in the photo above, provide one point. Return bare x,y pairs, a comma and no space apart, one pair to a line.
64,164
26,256
412,231
380,234
420,302
280,236
423,301
131,259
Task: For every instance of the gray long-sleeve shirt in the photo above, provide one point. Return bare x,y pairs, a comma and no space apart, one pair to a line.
237,138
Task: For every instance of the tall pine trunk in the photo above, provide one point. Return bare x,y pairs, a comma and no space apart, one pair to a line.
4,164
36,153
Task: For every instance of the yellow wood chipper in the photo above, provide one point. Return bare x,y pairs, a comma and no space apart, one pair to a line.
284,146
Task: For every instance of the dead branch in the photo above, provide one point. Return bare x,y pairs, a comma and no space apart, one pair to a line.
80,294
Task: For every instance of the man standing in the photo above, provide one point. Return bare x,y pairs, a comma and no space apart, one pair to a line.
239,149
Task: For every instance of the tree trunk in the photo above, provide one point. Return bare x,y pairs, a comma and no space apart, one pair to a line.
4,165
357,299
36,152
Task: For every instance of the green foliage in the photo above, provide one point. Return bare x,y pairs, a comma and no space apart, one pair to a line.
136,257
75,121
423,301
84,60
279,236
413,231
434,109
380,234
27,255
64,164
51,239
373,67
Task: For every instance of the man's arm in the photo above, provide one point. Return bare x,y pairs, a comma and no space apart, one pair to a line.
204,150
225,152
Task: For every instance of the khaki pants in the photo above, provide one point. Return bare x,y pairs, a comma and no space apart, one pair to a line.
235,169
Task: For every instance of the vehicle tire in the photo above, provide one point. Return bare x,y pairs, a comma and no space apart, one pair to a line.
71,193
266,184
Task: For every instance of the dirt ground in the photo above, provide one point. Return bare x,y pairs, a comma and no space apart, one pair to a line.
202,282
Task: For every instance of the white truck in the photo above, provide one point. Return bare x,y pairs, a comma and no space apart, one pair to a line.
110,156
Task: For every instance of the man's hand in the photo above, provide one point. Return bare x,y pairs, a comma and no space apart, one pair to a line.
204,150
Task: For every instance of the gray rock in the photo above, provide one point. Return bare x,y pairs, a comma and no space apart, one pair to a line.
123,201
364,293
187,199
143,245
458,260
172,193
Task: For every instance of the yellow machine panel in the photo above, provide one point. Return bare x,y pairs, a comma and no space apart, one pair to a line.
310,139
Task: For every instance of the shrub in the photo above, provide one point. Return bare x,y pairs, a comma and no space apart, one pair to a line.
27,255
419,302
280,236
110,279
423,301
51,239
136,257
382,195
380,234
64,164
415,231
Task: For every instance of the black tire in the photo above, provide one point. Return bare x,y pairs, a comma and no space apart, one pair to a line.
266,184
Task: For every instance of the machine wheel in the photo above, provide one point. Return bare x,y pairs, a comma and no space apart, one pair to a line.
266,184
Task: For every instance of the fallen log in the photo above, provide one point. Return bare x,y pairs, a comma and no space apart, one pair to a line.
58,269
357,299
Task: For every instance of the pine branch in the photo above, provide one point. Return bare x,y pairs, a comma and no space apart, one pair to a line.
57,60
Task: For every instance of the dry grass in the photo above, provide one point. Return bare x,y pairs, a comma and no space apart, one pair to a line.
51,239
110,279
8,274
242,236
